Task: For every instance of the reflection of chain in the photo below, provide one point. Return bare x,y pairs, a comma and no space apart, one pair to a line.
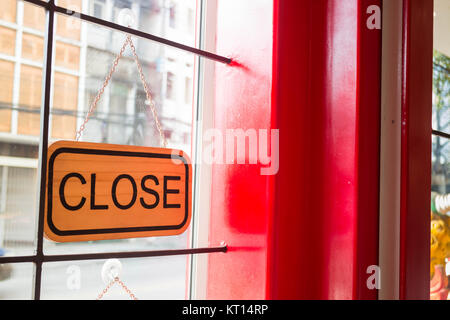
124,287
93,105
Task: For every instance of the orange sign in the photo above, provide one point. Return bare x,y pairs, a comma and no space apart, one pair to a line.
102,191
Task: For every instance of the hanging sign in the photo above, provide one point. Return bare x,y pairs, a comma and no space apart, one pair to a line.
102,191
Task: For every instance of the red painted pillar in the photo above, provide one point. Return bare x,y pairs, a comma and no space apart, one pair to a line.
326,101
416,149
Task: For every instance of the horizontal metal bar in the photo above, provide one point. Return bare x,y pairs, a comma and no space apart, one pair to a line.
208,55
440,134
109,255
18,259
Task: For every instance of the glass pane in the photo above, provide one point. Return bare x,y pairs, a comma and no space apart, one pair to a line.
441,67
20,103
440,216
171,19
122,115
16,281
156,278
440,165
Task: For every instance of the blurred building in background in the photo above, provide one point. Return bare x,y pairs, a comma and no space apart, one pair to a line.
83,57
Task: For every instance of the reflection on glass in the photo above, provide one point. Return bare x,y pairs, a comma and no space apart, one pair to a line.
21,48
441,92
158,278
440,181
83,54
16,281
440,197
170,19
122,115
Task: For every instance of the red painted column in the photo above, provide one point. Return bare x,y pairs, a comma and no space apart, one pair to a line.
416,149
326,100
310,231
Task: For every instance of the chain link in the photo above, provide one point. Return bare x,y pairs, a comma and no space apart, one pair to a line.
124,287
93,105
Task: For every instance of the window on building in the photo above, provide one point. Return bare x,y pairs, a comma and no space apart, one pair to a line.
7,40
8,12
187,90
98,8
173,15
6,94
170,86
189,20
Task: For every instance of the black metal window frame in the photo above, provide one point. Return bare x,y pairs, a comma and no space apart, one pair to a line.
39,257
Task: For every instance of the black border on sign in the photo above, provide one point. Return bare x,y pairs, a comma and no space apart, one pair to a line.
58,151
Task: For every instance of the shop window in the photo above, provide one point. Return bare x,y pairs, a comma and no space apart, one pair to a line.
122,116
170,86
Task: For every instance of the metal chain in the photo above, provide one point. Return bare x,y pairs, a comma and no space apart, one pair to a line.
124,287
147,92
93,105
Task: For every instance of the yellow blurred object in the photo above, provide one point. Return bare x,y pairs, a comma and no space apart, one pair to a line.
440,240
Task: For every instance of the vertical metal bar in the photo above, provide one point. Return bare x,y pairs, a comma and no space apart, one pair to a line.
195,148
45,113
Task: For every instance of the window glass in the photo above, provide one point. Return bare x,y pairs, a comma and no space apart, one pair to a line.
68,27
122,115
173,20
30,100
441,67
20,104
156,278
98,8
65,102
67,56
441,92
83,54
6,93
16,281
440,208
440,165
